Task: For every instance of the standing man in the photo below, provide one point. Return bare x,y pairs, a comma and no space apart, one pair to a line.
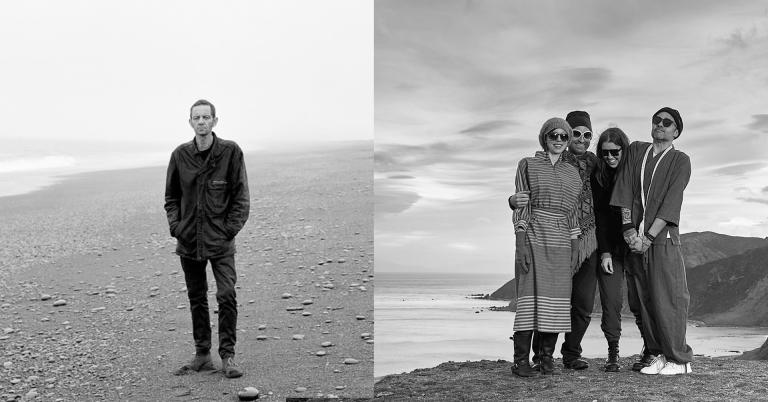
649,191
585,279
207,203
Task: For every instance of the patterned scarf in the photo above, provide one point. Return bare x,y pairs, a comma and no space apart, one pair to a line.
585,164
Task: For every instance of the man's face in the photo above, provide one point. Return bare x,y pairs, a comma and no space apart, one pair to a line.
661,133
582,136
201,120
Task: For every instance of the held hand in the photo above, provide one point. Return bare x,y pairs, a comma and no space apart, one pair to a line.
645,244
519,200
607,263
522,254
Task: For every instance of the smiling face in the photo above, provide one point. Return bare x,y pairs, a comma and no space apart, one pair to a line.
557,140
659,132
580,144
611,154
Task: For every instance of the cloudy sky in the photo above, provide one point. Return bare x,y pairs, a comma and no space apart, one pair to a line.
127,71
462,88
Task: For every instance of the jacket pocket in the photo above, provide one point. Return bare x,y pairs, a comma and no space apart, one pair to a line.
217,196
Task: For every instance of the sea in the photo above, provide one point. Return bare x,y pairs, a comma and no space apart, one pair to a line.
424,319
28,165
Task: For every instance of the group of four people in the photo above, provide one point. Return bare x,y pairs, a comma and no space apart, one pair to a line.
582,220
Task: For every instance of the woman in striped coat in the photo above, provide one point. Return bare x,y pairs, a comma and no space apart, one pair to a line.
546,232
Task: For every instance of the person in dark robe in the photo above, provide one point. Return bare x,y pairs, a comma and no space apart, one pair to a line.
649,191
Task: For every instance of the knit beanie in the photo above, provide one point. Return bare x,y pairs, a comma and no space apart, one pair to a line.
579,118
550,125
675,116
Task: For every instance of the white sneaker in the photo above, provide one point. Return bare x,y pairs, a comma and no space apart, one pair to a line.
672,368
656,365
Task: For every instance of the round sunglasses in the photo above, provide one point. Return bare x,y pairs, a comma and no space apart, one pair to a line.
665,121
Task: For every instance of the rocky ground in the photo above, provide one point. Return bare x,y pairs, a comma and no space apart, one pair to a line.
713,379
93,304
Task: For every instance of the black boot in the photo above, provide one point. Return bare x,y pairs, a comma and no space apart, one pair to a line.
547,349
536,347
612,364
645,359
521,366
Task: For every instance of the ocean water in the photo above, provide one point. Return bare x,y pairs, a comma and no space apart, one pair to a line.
423,320
29,165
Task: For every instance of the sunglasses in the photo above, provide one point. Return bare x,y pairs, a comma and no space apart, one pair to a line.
552,136
587,134
665,121
613,152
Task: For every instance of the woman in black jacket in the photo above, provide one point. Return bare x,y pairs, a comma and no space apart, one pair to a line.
610,244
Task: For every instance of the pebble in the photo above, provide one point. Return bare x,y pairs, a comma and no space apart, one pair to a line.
341,260
340,387
97,309
300,389
248,394
60,302
360,317
7,365
307,302
294,308
261,338
306,314
320,353
32,394
286,296
15,381
262,327
298,337
365,335
326,344
45,297
351,361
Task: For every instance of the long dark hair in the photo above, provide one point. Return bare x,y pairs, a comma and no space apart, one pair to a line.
604,174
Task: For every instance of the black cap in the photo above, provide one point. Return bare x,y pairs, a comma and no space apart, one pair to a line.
578,118
675,116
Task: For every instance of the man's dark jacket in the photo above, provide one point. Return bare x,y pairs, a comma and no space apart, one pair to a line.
206,200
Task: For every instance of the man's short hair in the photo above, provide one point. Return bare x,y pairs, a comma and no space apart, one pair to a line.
203,102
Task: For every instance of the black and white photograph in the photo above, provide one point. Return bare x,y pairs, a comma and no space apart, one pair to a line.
186,200
570,200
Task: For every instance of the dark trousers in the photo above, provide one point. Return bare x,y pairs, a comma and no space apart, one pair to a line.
197,290
582,302
663,300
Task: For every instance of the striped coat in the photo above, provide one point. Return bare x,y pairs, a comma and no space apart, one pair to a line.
549,221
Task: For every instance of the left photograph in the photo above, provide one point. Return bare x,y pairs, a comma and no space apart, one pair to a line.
186,199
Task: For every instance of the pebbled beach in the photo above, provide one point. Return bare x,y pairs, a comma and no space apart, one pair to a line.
93,304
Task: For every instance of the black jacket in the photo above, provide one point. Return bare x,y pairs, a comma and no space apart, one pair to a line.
607,217
206,200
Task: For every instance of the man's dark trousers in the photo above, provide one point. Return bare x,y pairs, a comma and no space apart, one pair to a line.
582,303
197,290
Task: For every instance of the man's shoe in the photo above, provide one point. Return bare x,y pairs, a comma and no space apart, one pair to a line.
201,362
523,369
656,365
575,364
644,361
672,368
230,368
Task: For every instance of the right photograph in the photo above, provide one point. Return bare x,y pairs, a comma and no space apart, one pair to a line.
571,200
